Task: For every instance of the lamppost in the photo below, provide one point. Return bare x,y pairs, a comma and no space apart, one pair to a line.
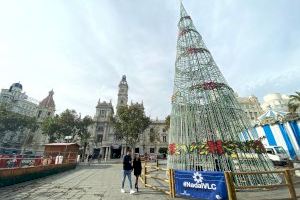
68,138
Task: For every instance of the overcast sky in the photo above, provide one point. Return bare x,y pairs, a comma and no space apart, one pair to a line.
81,49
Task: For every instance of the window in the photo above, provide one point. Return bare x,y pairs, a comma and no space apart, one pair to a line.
102,113
250,114
151,137
164,138
151,150
99,138
100,128
270,151
279,150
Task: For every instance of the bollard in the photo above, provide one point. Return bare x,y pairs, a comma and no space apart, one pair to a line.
145,173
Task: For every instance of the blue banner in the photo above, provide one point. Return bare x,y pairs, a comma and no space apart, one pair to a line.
201,185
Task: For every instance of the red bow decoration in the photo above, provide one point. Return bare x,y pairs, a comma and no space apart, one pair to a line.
215,147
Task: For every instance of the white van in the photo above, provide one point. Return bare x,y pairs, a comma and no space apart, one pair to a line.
277,154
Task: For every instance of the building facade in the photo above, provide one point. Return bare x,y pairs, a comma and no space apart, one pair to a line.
153,140
251,107
15,100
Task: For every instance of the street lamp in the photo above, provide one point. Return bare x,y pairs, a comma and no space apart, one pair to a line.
68,138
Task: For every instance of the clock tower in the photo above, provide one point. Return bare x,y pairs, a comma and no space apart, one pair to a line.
123,92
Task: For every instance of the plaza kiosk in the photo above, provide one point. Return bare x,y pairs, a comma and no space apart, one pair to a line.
60,153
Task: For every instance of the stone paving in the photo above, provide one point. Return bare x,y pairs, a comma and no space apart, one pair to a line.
100,182
95,182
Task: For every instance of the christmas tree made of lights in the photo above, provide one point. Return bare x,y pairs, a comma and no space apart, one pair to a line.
209,131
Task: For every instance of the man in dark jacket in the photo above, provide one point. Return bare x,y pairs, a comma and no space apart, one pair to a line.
127,168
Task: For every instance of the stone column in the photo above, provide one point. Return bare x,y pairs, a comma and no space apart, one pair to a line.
103,152
109,152
106,152
123,148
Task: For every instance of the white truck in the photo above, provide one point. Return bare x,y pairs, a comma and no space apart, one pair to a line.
277,154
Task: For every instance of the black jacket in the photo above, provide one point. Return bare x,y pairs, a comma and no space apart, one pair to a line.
127,163
137,166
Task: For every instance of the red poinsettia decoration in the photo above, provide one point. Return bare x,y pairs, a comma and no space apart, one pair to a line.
209,85
193,50
215,147
258,146
219,147
211,146
172,148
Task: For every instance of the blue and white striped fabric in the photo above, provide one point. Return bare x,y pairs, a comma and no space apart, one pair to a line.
269,135
286,135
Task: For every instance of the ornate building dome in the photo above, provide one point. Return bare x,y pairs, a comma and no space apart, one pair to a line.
48,102
17,86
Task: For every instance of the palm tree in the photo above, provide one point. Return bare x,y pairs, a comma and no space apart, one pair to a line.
294,102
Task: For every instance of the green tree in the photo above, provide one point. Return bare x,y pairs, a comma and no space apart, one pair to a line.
294,102
68,123
83,132
60,126
52,127
129,122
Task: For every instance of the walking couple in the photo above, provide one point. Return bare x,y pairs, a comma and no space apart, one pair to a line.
128,166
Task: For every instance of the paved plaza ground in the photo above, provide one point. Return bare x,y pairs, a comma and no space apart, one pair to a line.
99,182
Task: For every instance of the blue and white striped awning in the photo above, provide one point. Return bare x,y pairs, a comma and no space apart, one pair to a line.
271,114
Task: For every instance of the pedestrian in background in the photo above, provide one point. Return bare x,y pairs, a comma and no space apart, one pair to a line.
137,167
127,169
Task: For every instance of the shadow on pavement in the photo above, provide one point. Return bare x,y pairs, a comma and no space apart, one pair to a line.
93,166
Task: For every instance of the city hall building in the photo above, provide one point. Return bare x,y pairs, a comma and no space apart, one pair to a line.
153,140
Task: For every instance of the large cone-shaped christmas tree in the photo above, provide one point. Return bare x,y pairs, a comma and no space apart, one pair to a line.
209,131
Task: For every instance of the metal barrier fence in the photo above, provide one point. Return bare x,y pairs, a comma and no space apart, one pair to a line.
19,159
